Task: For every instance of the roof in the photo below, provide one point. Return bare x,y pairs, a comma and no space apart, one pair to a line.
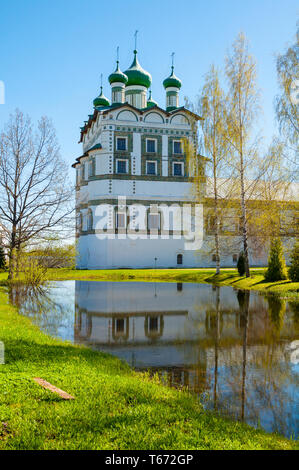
106,109
85,154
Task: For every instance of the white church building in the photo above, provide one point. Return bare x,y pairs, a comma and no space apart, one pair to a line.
134,187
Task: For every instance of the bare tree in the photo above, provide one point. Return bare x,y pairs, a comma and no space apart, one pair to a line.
286,103
211,106
35,194
242,105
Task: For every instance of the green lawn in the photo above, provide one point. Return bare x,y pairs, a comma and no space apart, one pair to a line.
228,277
114,407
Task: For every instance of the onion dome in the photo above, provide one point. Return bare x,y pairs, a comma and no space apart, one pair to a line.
150,101
117,76
101,100
172,80
137,75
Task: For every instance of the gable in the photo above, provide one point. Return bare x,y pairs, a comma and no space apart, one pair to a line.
154,117
126,115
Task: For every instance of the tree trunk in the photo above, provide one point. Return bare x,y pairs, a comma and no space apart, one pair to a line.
12,255
244,219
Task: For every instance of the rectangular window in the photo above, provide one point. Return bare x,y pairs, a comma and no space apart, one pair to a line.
121,143
177,146
177,169
153,324
120,325
91,165
121,166
154,221
235,258
151,145
120,220
151,168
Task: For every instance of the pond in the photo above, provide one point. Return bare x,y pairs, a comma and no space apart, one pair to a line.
237,350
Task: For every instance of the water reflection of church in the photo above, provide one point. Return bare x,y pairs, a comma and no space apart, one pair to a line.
180,331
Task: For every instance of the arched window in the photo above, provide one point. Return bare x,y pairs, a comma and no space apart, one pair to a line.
179,259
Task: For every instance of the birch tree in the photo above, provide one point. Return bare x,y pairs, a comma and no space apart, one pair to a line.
211,108
242,109
36,198
287,101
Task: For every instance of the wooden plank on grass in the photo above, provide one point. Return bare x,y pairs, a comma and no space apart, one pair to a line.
53,389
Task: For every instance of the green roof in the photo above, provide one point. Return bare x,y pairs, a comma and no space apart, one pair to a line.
101,100
172,80
150,101
95,147
137,75
117,76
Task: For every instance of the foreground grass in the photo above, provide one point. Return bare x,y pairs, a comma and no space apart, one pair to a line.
114,407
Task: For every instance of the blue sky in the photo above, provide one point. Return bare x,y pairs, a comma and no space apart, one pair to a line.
52,52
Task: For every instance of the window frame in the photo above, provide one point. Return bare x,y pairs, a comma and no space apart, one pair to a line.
126,143
156,167
179,258
176,141
182,167
117,226
127,166
155,144
148,220
91,167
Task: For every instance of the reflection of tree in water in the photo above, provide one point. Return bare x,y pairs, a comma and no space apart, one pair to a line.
265,373
39,304
294,306
277,309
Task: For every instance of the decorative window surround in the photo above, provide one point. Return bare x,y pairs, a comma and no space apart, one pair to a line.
151,167
177,147
177,168
120,220
121,144
151,145
122,166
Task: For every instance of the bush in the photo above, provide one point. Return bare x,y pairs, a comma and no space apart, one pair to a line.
34,273
241,264
294,266
2,258
277,270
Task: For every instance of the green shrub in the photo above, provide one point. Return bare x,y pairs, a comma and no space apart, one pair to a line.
241,264
294,266
277,270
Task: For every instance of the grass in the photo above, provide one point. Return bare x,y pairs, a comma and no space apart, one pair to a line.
228,277
114,407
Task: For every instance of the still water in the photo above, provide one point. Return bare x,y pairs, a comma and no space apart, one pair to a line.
238,351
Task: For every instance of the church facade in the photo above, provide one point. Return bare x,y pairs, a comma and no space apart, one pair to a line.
134,183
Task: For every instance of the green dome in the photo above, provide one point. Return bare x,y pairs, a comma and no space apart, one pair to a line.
150,102
136,75
172,81
101,100
117,76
